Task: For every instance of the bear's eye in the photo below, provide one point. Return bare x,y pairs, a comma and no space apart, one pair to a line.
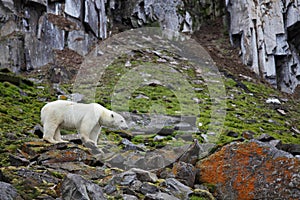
122,121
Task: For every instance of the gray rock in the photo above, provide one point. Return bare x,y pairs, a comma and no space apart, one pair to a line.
116,161
129,145
176,188
100,4
273,151
109,189
8,28
18,161
91,16
191,154
8,192
144,175
129,197
73,8
42,2
50,34
160,196
147,188
291,148
9,4
12,53
80,42
39,53
265,138
75,187
154,161
38,177
185,173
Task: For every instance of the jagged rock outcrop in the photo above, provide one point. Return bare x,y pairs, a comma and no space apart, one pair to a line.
268,34
31,31
185,16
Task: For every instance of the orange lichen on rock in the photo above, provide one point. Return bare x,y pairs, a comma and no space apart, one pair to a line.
251,171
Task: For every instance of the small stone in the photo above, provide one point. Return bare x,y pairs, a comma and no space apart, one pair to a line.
177,188
166,131
183,126
128,178
141,96
130,146
129,197
161,60
109,189
273,101
128,64
282,112
144,175
148,188
265,138
294,149
191,154
248,135
159,138
232,134
275,143
295,130
160,196
116,161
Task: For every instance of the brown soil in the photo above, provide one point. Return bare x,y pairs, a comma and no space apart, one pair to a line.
215,40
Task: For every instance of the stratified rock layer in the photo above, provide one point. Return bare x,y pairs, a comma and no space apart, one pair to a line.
268,34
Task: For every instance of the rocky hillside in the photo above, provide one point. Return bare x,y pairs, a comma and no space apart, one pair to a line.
201,127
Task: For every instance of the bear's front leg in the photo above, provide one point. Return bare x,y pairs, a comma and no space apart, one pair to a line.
95,134
85,132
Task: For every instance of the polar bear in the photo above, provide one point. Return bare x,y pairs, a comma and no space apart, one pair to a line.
86,118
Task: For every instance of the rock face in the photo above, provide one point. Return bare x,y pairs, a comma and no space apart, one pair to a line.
31,31
268,34
252,170
178,15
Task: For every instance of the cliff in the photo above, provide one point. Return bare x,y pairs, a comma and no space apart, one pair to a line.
268,34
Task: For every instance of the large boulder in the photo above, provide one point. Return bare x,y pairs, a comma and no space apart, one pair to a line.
252,170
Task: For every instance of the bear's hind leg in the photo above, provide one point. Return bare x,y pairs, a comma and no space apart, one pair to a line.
57,136
95,133
49,132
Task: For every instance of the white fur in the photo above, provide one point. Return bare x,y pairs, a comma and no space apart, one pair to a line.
86,118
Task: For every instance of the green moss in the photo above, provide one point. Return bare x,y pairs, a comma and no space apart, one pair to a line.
57,174
194,197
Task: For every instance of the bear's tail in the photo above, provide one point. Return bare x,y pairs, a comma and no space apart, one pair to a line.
43,115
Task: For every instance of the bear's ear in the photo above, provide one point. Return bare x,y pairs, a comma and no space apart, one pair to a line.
112,115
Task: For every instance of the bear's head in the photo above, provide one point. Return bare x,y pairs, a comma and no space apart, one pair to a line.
118,121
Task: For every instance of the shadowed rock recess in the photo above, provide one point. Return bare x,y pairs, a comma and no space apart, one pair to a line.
166,153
